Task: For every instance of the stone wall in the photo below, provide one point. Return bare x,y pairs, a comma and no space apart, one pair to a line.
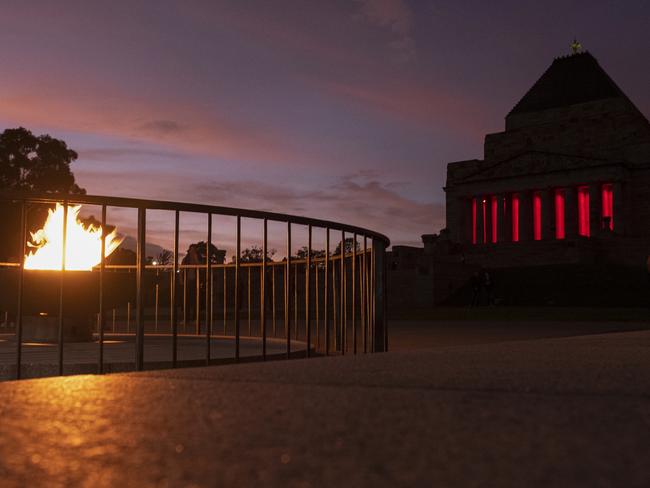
611,128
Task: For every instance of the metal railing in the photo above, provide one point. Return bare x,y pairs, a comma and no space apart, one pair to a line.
337,299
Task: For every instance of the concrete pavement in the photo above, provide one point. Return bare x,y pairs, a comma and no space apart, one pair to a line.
571,411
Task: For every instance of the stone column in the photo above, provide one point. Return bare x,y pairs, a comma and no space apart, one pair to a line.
501,219
525,215
595,209
488,219
571,212
619,208
479,220
507,218
548,214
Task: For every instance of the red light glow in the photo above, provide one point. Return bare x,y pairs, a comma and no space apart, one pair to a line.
515,217
559,214
537,216
484,207
494,219
608,204
583,211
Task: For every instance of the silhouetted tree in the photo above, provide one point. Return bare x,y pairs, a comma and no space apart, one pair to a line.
254,254
196,254
348,246
315,253
165,257
31,164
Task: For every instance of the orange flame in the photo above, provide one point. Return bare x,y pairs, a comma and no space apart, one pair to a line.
83,244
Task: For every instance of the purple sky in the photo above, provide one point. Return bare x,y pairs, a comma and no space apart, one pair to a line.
344,110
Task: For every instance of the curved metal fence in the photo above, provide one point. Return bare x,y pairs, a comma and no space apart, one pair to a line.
320,302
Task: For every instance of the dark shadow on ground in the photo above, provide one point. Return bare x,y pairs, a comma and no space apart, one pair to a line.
462,326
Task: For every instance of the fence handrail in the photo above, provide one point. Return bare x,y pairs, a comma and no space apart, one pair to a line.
189,207
361,272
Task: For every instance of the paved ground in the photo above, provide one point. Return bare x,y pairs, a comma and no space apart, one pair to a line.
41,359
572,411
406,335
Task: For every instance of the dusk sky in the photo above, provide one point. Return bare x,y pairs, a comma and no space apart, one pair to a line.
343,110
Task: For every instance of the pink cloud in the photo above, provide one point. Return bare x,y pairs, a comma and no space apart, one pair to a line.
176,125
356,199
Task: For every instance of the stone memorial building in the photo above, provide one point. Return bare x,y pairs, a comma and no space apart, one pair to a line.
567,181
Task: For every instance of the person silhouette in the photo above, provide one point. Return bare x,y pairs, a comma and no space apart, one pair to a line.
486,281
475,282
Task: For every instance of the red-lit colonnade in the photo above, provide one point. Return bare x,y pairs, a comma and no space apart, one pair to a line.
555,213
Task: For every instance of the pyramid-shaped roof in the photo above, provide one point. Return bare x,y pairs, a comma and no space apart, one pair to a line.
573,79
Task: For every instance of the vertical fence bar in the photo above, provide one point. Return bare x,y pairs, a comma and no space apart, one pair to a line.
225,298
174,309
237,290
360,294
371,299
295,301
374,293
335,307
208,291
317,300
212,288
141,259
371,320
273,298
61,284
21,285
384,296
365,293
185,300
308,293
102,266
155,310
342,323
197,301
369,317
354,294
287,289
368,264
248,301
284,291
171,298
128,316
263,288
113,321
326,292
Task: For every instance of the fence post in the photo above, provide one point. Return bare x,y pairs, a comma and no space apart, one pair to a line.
208,292
102,265
263,289
174,308
21,277
237,288
307,294
61,285
287,293
141,260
